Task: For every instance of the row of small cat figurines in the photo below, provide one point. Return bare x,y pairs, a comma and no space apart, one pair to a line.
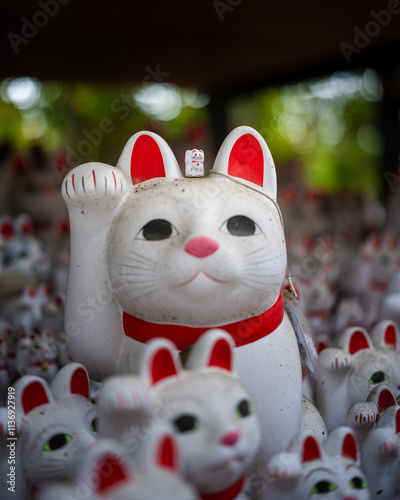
169,432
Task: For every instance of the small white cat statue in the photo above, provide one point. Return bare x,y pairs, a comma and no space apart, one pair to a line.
194,163
205,406
55,433
105,472
309,470
37,355
154,254
349,372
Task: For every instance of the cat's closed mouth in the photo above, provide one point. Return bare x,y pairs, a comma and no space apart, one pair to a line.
200,271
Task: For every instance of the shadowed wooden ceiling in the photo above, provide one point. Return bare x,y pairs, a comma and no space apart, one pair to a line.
214,45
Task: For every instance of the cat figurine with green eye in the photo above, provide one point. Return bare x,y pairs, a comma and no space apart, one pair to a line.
310,470
360,362
205,406
56,430
37,355
105,472
155,254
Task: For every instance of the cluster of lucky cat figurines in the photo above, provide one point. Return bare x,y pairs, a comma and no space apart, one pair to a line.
191,370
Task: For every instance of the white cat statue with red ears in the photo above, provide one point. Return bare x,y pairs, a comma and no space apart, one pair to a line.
155,254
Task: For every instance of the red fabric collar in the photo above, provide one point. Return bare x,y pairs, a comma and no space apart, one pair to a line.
244,332
229,494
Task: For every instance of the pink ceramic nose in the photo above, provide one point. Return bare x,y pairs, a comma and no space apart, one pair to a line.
230,438
201,246
351,497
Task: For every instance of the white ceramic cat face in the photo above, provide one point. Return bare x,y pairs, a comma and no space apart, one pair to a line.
55,435
312,471
211,414
171,259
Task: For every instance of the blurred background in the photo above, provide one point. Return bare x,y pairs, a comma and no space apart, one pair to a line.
320,82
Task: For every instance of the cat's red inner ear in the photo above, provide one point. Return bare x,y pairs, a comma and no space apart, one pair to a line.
311,449
80,383
167,454
221,355
349,447
358,341
110,471
33,395
398,421
162,366
247,160
390,336
146,160
385,400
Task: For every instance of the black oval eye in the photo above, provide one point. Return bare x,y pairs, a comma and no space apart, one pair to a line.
240,225
157,229
57,441
358,483
186,423
244,409
93,425
378,377
323,487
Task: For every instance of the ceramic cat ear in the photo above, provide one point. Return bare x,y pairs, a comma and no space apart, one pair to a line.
307,446
108,462
342,441
159,361
383,397
244,156
213,349
31,392
354,339
147,156
72,379
386,333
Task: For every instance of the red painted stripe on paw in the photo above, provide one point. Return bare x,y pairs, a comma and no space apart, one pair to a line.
115,181
146,160
247,160
94,179
73,182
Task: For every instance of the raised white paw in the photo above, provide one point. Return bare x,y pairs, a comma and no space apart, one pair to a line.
284,466
125,394
94,181
335,360
362,414
389,447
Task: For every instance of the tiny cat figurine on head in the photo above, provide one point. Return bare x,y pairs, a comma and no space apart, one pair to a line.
155,254
194,163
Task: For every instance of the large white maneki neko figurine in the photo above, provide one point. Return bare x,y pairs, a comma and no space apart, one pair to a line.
155,254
